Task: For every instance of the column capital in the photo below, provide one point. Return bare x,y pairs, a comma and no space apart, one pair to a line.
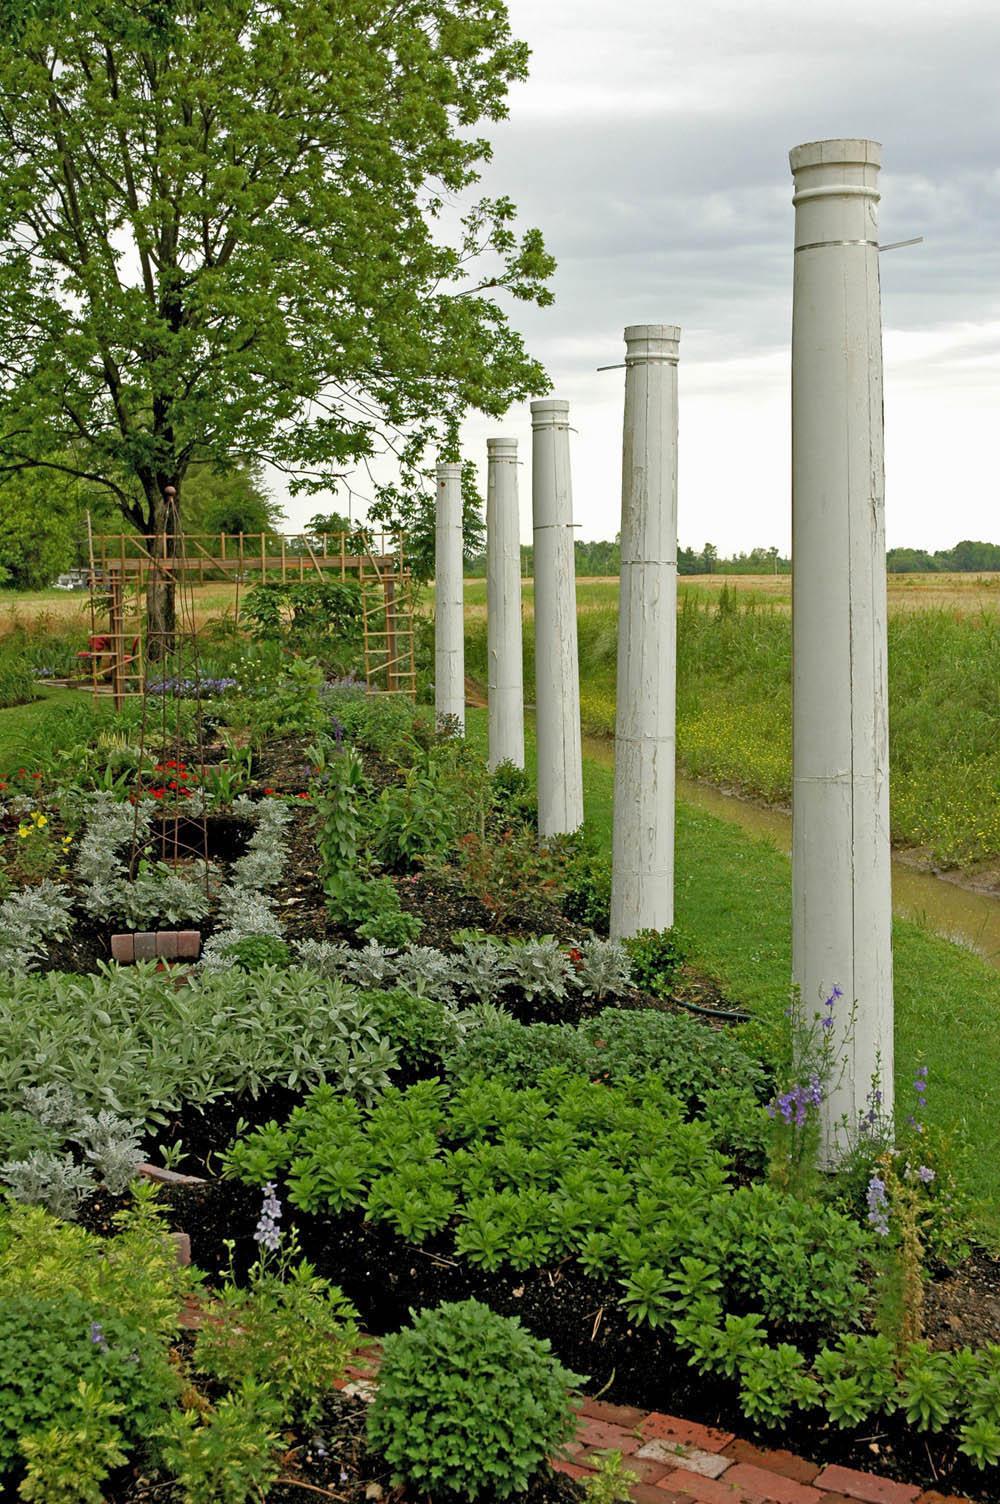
501,449
549,412
651,342
448,469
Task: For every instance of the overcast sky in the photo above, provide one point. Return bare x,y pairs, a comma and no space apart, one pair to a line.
651,146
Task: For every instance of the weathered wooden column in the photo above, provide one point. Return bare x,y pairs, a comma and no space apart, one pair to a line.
842,900
505,671
642,873
557,671
449,620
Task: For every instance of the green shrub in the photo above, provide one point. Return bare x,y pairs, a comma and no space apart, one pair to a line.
259,951
421,1030
656,957
229,1455
469,1403
17,682
75,1309
286,1328
692,1060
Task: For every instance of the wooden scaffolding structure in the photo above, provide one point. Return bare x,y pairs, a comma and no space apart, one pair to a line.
123,566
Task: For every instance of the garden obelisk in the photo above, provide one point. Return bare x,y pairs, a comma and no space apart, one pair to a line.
449,622
504,673
557,672
841,900
642,874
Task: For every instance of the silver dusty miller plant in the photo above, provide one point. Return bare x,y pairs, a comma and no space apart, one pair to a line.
604,969
110,1143
54,1181
157,891
28,919
246,908
540,968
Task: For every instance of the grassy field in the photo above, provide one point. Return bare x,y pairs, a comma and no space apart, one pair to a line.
733,900
734,697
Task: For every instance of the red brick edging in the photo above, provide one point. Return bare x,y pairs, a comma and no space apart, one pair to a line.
681,1462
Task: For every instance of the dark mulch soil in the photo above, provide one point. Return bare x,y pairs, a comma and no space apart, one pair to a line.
334,1461
963,1307
385,1277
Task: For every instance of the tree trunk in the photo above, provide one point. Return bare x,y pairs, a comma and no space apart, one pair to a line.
161,589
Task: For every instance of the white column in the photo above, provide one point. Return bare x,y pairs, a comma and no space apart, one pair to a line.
505,673
841,901
557,672
449,620
642,873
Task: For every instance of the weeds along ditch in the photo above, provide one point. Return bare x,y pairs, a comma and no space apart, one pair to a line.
734,708
412,1087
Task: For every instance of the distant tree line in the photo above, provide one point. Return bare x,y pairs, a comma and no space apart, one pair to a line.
966,557
605,557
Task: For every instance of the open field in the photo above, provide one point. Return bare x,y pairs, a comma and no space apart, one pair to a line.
734,702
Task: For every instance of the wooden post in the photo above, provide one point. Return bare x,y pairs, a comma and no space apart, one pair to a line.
117,618
841,884
389,593
642,874
557,670
449,620
505,672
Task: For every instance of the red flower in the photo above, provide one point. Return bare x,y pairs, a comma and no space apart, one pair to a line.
269,791
36,775
157,793
302,796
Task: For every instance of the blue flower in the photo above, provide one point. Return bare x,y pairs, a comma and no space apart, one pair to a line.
878,1206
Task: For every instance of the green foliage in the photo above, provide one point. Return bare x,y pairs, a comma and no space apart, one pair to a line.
693,1062
258,952
286,1329
414,821
67,1462
421,1030
231,1454
469,1403
611,1482
283,706
587,886
317,616
249,297
368,905
656,957
130,1039
17,682
74,1307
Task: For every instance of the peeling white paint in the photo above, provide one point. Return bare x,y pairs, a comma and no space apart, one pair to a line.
449,621
841,902
557,672
642,881
505,671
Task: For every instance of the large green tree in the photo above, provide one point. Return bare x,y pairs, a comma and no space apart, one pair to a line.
234,230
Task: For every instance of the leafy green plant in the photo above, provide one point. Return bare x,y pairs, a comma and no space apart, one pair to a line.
656,958
469,1403
285,1328
257,952
611,1482
506,871
228,1454
129,1039
69,1460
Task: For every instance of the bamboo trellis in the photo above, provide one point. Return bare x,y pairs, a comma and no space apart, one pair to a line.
123,565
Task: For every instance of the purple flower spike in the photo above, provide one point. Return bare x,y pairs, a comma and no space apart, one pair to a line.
926,1174
268,1232
878,1206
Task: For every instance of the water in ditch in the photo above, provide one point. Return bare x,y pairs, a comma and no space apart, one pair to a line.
958,914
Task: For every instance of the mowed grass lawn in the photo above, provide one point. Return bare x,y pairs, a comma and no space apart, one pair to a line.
733,901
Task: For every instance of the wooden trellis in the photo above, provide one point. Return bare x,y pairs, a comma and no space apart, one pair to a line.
124,565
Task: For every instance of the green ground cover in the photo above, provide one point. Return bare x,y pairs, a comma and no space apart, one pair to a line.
58,717
734,904
734,707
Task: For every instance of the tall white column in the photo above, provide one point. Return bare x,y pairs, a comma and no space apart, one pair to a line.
557,671
505,671
642,873
449,620
841,901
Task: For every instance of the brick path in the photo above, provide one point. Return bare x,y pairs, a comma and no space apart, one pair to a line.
677,1460
680,1462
